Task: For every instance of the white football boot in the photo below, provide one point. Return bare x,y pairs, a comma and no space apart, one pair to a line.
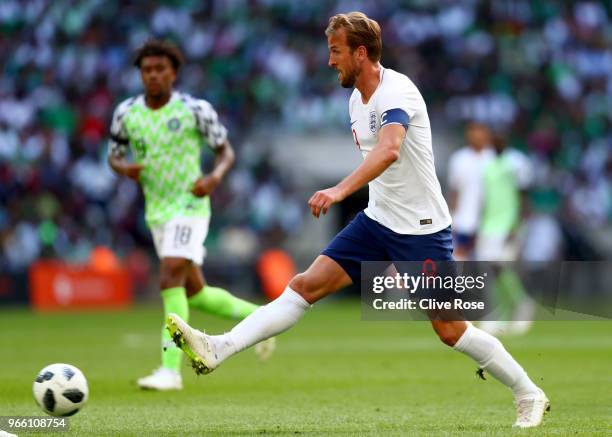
196,344
264,349
162,379
530,410
6,434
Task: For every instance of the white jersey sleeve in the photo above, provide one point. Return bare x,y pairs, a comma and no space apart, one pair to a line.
119,140
397,105
207,121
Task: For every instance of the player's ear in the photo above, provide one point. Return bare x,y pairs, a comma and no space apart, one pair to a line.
362,53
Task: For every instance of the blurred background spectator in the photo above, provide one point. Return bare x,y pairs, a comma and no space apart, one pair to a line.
540,70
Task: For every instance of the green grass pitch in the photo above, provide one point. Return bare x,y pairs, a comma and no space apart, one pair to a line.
332,374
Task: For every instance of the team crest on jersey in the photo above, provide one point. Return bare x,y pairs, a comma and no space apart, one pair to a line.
373,122
173,124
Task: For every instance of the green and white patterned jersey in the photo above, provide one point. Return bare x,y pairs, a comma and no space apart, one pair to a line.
168,142
505,176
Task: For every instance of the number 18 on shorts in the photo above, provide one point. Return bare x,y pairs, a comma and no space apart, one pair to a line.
181,237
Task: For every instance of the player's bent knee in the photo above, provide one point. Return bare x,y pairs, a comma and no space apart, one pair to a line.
301,284
308,286
448,333
448,339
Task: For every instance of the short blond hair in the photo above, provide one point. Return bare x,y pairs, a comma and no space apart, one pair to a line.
360,31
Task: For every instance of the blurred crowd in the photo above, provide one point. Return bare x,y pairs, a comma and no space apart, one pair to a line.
541,70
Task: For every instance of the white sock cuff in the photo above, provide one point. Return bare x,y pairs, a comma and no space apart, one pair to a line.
479,345
293,296
465,339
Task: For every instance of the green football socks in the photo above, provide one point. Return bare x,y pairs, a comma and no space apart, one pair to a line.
220,302
175,301
509,293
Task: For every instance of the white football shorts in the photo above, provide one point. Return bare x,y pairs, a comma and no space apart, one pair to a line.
496,248
182,237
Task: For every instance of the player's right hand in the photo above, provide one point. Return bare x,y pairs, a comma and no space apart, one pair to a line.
322,200
132,171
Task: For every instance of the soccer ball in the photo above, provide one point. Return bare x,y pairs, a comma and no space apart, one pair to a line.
60,390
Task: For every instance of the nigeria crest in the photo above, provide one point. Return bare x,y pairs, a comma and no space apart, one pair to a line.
173,124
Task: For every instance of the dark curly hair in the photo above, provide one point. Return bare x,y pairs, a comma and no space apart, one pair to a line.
155,47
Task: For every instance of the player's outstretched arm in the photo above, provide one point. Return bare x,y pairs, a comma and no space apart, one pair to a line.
384,153
224,159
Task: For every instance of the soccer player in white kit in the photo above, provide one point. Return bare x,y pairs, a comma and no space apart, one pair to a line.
406,219
466,185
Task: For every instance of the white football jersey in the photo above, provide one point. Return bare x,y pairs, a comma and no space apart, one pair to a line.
465,176
406,197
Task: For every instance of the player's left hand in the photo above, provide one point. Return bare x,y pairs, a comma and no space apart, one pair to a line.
321,201
204,186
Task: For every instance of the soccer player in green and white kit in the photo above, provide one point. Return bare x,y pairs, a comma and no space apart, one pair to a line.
166,130
506,177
